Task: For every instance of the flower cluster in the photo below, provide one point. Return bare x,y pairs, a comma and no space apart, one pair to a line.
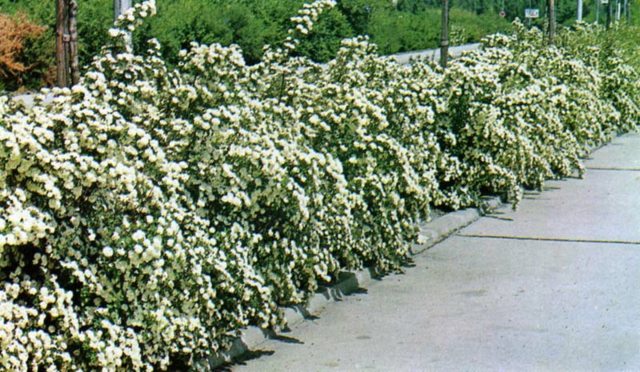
304,21
149,213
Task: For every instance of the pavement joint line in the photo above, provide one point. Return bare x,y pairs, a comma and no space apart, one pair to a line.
613,169
562,240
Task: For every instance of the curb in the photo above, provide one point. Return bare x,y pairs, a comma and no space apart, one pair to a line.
431,233
440,228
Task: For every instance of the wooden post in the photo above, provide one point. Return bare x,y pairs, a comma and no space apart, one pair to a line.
67,67
444,35
61,55
552,22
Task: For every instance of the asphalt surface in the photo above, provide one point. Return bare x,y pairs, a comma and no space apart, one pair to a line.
552,286
434,54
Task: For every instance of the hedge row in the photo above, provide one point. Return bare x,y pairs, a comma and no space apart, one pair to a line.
148,213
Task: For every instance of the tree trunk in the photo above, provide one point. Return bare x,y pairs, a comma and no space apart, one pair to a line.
444,35
67,67
61,55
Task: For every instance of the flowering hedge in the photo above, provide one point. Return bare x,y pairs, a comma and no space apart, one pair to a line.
149,213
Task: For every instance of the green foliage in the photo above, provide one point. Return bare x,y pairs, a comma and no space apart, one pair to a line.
395,31
324,40
94,19
407,31
42,12
180,23
565,9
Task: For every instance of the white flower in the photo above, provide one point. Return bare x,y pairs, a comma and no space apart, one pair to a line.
107,252
138,235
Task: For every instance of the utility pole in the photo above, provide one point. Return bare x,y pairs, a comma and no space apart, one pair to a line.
444,35
120,6
67,69
618,10
552,22
579,17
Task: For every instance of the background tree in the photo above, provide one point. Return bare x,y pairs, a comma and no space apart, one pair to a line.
67,66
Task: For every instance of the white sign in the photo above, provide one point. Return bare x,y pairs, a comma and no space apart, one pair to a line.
532,13
604,2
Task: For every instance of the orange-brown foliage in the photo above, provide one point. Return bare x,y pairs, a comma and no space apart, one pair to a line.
15,31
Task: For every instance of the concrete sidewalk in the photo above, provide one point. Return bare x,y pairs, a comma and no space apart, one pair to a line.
553,286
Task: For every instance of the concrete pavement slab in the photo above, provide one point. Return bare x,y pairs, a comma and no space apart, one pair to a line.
604,206
622,153
481,304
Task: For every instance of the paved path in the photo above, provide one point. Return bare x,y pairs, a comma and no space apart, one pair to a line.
434,54
553,286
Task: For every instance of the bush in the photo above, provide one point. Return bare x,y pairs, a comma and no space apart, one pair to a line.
23,61
150,212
